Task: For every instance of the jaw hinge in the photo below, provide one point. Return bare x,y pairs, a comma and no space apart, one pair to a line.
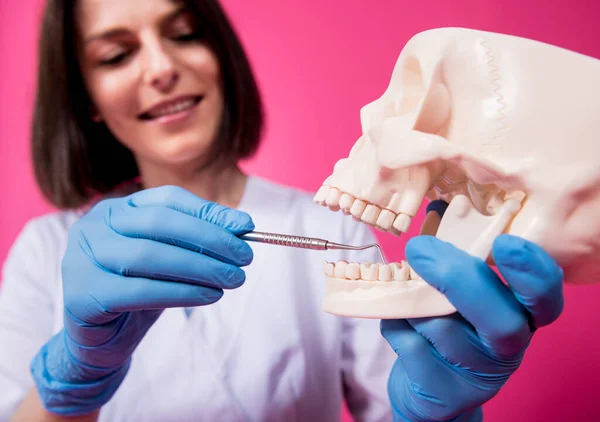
469,230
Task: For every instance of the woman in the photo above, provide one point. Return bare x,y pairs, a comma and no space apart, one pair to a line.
138,301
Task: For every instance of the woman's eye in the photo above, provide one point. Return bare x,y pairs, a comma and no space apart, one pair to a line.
186,37
115,59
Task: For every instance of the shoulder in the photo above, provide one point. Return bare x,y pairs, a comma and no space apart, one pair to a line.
50,228
33,263
43,239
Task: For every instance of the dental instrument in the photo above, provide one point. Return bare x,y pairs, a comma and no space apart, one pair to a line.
304,242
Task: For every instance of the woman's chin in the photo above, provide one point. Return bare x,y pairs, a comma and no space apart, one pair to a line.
180,153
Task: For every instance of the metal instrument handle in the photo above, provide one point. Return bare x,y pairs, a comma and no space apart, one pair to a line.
286,240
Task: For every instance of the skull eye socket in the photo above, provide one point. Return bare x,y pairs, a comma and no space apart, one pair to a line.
429,101
435,110
412,87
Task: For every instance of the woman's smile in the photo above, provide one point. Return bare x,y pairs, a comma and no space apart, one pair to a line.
174,110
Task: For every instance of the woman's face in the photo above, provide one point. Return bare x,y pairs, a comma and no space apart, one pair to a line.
151,79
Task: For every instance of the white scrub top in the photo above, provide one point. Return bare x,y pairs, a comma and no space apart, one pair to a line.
265,352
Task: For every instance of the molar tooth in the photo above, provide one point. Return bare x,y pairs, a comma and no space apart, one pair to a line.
346,202
358,207
328,268
368,271
353,271
321,194
402,222
371,214
340,269
399,271
385,220
385,273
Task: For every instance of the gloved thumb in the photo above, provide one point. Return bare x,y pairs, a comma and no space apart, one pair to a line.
533,275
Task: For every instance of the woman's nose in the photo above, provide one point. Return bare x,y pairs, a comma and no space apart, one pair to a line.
161,72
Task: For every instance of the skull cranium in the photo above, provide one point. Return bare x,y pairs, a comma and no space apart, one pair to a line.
501,127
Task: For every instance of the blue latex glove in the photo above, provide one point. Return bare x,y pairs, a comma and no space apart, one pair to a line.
126,261
449,366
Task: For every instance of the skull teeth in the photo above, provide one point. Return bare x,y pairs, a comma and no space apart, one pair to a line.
386,220
357,208
346,202
401,223
371,214
333,198
382,219
367,271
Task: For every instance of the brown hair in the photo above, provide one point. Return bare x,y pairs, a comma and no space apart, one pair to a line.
76,158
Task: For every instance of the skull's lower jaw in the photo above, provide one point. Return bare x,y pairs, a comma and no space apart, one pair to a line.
382,299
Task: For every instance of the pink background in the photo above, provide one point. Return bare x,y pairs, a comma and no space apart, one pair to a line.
318,62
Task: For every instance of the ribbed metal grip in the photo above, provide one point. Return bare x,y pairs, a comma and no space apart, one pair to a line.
286,240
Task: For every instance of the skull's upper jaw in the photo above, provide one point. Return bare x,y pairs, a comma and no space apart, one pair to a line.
385,186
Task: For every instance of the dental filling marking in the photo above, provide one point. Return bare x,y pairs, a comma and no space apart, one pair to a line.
305,242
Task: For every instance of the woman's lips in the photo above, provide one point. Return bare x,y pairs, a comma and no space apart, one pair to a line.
172,110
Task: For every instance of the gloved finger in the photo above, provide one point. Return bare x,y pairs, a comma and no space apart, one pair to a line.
160,261
452,336
534,276
456,341
169,226
105,339
426,371
140,293
474,290
179,199
415,351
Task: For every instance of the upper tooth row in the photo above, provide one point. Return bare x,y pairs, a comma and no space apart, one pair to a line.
370,271
180,106
382,219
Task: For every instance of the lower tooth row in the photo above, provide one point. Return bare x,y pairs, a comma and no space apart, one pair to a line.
370,271
382,219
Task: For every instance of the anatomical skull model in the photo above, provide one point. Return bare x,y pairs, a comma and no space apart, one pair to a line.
503,128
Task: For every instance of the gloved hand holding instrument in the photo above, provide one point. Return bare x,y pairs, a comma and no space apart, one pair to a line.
126,261
449,366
